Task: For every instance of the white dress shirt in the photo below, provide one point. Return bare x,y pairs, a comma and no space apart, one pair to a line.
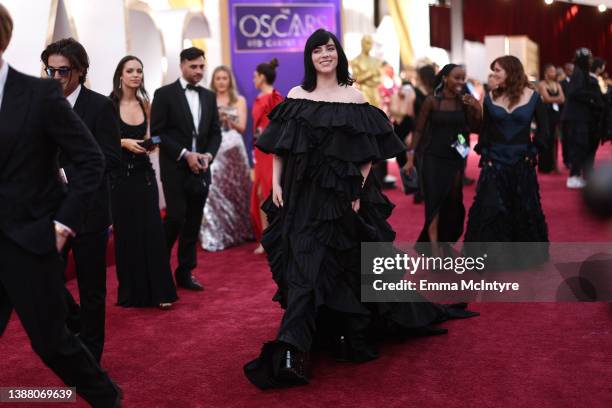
72,98
193,100
3,75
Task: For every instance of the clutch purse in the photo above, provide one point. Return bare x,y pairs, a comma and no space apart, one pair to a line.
410,181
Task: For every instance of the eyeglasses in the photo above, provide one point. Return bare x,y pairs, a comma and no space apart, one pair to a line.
63,71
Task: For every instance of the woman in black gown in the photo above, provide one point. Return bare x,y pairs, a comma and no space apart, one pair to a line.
426,77
553,98
507,205
446,117
143,267
324,203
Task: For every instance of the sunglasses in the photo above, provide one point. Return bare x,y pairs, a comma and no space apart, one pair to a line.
63,71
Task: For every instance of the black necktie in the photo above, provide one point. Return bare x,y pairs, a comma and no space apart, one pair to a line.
193,87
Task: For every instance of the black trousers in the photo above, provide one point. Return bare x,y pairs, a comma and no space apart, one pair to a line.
89,252
582,146
32,285
183,219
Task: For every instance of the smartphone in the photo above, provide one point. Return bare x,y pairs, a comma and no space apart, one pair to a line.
149,144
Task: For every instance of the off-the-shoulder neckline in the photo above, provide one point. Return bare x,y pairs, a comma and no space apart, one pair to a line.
327,102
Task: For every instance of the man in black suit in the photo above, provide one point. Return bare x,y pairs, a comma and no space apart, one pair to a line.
568,69
35,122
67,61
579,119
185,116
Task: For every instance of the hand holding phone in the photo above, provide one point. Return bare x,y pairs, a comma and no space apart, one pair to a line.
150,143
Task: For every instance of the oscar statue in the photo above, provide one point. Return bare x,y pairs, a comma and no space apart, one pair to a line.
366,72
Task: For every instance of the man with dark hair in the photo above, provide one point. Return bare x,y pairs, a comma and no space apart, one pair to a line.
35,123
67,61
185,116
578,117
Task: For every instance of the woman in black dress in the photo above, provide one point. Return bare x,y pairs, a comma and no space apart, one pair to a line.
143,267
446,119
426,77
553,98
507,205
324,203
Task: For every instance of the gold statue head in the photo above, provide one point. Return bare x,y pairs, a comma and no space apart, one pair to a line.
366,44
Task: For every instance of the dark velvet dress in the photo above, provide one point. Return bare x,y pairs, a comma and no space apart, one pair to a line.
440,123
143,267
507,205
313,241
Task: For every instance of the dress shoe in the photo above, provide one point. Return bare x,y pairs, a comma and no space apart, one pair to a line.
189,283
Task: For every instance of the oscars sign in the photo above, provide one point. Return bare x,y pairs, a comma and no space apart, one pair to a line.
281,28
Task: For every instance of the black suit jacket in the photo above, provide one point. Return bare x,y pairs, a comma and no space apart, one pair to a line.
35,122
100,117
171,120
580,99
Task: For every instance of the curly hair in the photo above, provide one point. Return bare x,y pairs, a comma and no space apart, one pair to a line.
516,80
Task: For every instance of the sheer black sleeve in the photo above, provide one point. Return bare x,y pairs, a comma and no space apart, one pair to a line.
473,115
422,119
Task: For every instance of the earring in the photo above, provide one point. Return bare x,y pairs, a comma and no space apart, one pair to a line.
120,83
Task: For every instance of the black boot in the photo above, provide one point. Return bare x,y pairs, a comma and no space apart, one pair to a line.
292,366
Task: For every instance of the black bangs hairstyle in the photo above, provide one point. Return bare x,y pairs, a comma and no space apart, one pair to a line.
317,39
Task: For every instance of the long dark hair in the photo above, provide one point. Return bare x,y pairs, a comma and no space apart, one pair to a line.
318,38
117,93
516,80
268,70
73,51
427,77
438,84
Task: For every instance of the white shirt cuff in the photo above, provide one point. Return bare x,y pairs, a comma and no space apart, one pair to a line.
183,153
65,228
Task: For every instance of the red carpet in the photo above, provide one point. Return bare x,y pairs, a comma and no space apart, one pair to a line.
513,355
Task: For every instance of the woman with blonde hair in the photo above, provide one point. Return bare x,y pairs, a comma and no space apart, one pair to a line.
226,219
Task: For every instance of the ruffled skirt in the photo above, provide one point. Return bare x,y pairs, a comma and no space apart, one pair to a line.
507,208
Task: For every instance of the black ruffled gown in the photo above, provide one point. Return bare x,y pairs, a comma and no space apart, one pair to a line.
313,241
507,206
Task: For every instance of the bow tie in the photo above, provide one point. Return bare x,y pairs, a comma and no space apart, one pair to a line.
194,87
